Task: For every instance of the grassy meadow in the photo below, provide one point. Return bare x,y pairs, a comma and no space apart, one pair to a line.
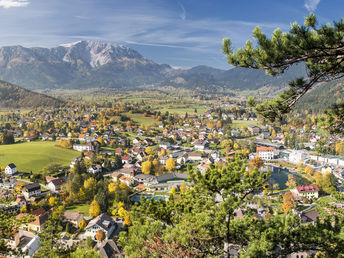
33,156
240,123
141,119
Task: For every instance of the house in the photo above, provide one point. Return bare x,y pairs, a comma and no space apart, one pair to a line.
165,145
27,242
126,180
253,129
201,146
144,179
20,200
104,223
127,159
11,169
95,168
83,147
55,184
309,216
194,156
40,217
73,217
108,249
8,183
308,191
31,190
265,153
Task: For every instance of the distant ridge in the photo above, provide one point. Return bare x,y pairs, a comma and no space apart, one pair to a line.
12,96
88,64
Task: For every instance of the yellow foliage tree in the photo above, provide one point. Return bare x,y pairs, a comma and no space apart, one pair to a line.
309,170
288,202
170,164
94,208
101,141
149,150
291,183
257,162
23,209
219,124
146,167
173,190
82,224
52,201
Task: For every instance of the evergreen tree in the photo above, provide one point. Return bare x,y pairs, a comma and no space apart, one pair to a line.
320,48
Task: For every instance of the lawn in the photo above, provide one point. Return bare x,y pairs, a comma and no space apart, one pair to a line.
240,123
141,119
83,208
33,156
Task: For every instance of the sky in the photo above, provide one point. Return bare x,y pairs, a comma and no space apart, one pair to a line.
182,33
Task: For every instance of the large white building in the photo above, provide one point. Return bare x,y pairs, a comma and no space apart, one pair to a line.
265,153
296,156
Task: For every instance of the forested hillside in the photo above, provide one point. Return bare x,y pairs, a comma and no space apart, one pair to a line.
12,96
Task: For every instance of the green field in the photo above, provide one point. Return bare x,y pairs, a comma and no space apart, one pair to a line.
83,208
33,156
141,119
182,109
240,123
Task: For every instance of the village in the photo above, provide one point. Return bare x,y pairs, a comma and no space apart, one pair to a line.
120,162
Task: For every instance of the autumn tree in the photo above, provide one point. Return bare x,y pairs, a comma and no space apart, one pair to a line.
170,164
309,170
94,208
82,224
291,183
288,202
257,162
100,235
146,167
319,48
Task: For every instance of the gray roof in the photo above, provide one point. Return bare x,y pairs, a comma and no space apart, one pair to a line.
32,187
12,165
172,176
108,249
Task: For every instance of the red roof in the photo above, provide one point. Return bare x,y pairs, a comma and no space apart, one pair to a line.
307,188
265,149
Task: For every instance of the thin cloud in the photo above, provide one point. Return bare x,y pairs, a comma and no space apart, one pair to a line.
13,3
183,14
311,5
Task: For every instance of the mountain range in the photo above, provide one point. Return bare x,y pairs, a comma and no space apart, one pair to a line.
87,64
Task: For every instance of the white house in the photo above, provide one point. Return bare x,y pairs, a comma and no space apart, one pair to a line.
194,156
265,153
83,147
95,168
55,184
11,169
104,223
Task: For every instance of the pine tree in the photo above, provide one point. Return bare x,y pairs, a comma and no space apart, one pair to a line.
320,48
